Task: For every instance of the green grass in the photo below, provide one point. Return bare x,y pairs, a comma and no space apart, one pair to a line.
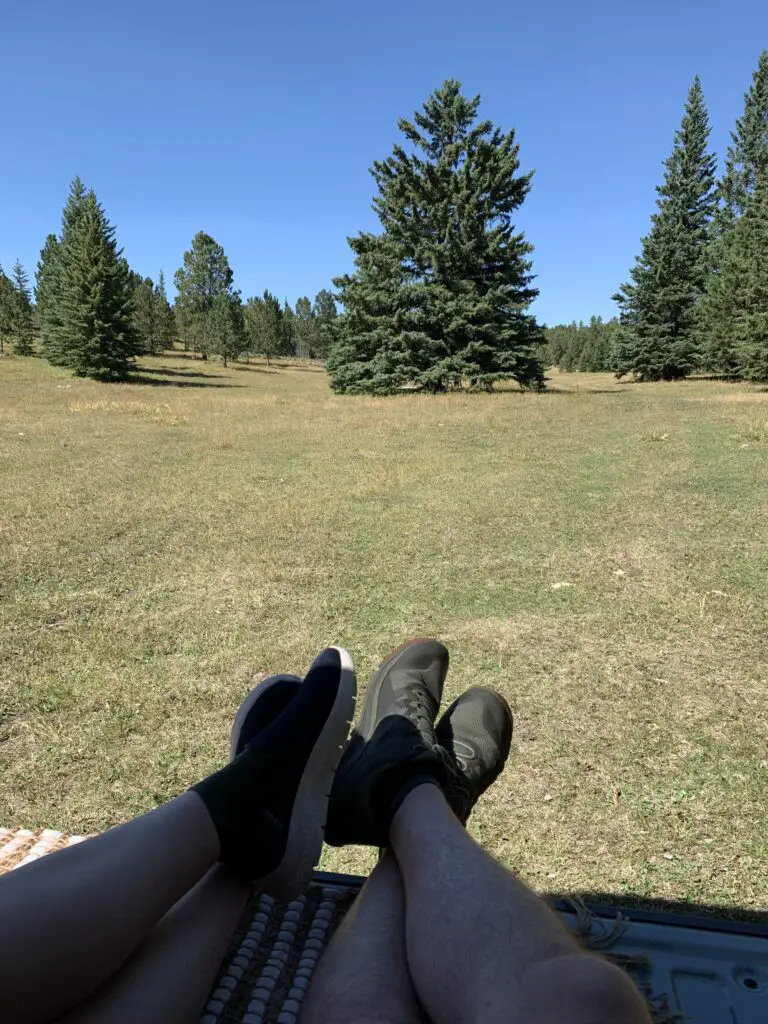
598,553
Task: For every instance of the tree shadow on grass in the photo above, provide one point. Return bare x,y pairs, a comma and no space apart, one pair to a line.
168,372
584,391
137,378
302,369
254,369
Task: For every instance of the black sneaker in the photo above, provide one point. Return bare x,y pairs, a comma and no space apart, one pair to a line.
475,734
261,707
393,746
270,802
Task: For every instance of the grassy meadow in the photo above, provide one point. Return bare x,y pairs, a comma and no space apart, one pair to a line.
597,553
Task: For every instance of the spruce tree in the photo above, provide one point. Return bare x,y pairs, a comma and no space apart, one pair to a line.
734,308
745,162
658,306
93,328
325,314
22,324
439,298
7,301
747,156
47,292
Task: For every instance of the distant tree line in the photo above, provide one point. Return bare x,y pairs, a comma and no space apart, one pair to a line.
582,348
697,298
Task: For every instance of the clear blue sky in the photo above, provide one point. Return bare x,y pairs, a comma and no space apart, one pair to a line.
257,122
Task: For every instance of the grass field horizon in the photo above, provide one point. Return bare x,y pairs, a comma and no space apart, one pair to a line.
597,553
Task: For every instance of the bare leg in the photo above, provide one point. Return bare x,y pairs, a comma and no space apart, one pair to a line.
363,975
77,915
168,978
481,946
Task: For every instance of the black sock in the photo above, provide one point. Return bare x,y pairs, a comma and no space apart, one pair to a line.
395,785
236,798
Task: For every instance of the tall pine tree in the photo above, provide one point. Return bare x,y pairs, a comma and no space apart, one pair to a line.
440,297
226,326
22,323
747,156
47,291
92,328
325,315
204,275
304,328
745,163
7,301
734,308
658,306
166,323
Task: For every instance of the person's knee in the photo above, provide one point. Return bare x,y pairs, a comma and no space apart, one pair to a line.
581,989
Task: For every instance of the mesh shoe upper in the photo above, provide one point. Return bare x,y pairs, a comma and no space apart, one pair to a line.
475,736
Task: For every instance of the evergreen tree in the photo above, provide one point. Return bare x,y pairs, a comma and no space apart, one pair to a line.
288,331
47,292
745,161
304,329
92,328
325,316
747,156
264,325
439,298
7,301
22,325
145,319
204,276
658,306
166,323
734,308
226,326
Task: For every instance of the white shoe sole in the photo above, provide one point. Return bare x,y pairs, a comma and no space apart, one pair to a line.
306,832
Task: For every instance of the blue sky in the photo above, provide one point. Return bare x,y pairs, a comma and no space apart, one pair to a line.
257,123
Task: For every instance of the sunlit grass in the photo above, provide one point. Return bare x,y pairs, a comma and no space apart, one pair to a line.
598,553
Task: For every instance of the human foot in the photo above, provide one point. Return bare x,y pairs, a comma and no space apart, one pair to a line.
475,736
269,804
393,746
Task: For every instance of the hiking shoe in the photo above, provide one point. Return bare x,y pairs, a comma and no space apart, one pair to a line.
475,736
270,802
392,748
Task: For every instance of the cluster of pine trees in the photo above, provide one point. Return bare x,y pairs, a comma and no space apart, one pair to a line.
94,314
17,326
697,298
582,348
212,318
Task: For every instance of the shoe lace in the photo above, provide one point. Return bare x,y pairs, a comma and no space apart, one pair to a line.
420,711
458,791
